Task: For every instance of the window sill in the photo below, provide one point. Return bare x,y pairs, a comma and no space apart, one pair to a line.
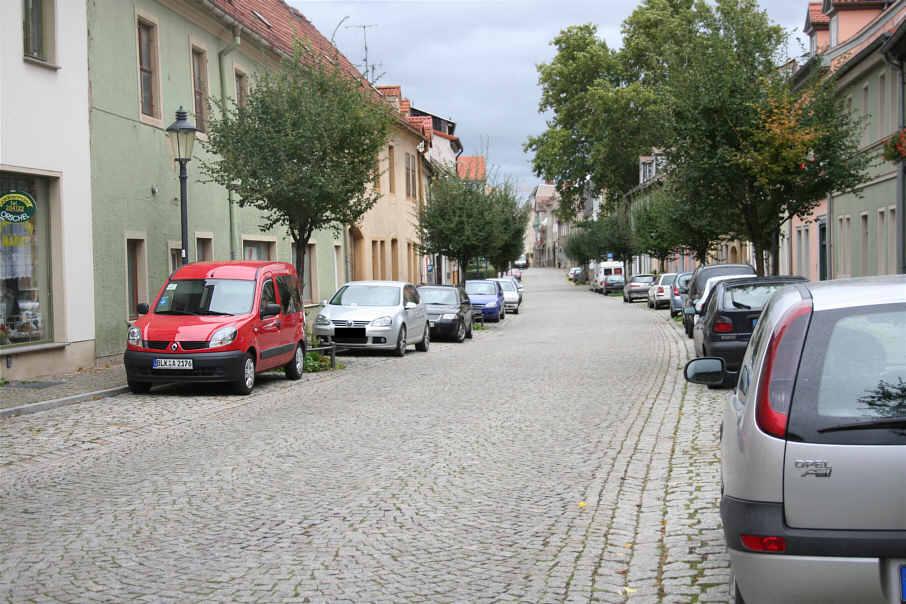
20,349
41,63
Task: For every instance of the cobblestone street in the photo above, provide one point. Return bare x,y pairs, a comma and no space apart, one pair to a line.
559,456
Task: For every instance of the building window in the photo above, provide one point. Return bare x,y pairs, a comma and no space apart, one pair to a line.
834,24
413,175
242,89
892,265
175,248
337,264
882,105
136,276
25,286
257,250
375,259
200,86
391,170
864,224
148,68
882,242
383,259
38,32
408,175
204,248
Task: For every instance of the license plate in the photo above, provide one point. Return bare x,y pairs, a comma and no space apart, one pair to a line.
903,583
754,322
172,364
431,323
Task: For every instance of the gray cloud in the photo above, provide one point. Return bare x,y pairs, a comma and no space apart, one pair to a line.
474,61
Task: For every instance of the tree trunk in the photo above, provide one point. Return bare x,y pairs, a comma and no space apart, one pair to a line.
775,253
299,260
463,270
759,258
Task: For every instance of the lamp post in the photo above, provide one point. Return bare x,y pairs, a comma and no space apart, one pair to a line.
181,136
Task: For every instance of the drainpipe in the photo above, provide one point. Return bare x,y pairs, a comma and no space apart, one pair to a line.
221,61
901,168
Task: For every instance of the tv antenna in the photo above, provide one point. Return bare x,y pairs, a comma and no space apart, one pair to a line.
368,70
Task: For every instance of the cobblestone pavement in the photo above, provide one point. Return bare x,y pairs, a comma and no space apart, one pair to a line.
557,457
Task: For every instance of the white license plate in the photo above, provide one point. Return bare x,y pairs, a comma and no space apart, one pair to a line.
172,364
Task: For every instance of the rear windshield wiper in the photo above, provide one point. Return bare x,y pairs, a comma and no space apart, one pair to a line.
887,422
741,305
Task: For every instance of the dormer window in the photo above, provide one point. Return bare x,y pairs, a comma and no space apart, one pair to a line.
813,45
834,26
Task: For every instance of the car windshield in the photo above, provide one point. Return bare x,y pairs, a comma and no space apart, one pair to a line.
749,297
507,286
438,295
481,288
206,297
366,295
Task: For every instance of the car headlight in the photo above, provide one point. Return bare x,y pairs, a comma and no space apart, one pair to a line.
491,305
449,316
222,337
382,322
322,321
134,337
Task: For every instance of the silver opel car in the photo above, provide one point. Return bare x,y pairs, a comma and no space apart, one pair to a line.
813,446
382,315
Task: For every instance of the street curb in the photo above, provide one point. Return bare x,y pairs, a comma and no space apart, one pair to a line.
59,402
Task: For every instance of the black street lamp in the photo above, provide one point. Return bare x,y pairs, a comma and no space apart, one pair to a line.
181,136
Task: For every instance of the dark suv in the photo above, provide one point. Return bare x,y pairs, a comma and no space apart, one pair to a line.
697,283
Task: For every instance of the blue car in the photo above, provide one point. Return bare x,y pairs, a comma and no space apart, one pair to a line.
487,299
680,286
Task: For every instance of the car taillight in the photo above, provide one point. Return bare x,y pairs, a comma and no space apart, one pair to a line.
723,325
759,543
778,373
660,289
675,290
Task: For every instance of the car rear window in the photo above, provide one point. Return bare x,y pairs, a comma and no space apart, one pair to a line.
668,279
853,375
642,279
718,271
749,297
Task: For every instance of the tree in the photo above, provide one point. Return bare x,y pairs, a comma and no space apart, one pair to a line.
302,148
747,144
652,226
512,220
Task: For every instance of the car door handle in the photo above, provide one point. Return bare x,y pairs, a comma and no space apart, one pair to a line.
277,323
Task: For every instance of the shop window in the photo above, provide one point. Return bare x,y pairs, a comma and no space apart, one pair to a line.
38,24
257,250
25,296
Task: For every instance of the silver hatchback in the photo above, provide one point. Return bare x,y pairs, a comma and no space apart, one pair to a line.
813,446
383,315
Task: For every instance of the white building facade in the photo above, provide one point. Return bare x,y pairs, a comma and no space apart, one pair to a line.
46,262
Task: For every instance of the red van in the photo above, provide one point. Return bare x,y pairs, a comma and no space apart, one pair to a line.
219,322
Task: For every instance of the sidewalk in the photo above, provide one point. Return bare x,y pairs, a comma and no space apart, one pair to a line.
53,390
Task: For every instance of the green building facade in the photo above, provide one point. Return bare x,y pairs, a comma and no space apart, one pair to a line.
146,59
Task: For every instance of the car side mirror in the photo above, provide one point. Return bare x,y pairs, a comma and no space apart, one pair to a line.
410,305
270,310
705,370
323,302
142,308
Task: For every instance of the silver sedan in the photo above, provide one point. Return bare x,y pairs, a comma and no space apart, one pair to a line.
382,315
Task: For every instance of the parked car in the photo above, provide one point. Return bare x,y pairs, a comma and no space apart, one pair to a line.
487,299
376,315
512,297
219,322
613,283
637,288
519,287
730,313
697,282
449,311
574,272
813,444
517,273
680,287
661,291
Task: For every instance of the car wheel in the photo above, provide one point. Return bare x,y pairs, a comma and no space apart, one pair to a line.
138,387
516,311
426,340
502,313
650,305
401,343
625,301
296,364
688,326
246,383
734,590
469,331
461,331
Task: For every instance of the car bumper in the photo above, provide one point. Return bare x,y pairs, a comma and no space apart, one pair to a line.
637,294
376,338
444,327
676,304
206,367
731,351
818,565
489,313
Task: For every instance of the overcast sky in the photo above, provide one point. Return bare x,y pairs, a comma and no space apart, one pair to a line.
473,61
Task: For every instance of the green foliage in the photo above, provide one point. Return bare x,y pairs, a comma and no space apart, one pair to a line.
315,362
594,239
467,220
652,225
303,147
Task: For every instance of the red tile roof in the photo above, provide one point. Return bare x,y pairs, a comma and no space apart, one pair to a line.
279,24
471,167
816,16
390,91
423,124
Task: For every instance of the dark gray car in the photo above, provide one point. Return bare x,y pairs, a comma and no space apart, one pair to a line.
813,444
449,311
697,284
